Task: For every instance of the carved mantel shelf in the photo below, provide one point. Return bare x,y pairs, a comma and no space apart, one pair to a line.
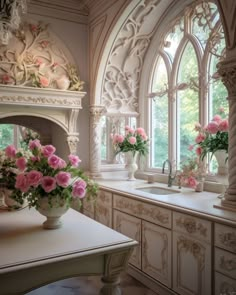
59,106
41,97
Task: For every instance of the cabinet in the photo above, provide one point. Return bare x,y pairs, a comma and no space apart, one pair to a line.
225,260
101,209
131,227
154,239
191,255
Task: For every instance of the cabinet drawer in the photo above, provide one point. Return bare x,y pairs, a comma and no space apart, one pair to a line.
224,285
225,262
143,210
131,227
105,198
193,226
225,237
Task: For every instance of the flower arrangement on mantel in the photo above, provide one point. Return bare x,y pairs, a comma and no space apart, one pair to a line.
134,140
43,174
213,137
34,58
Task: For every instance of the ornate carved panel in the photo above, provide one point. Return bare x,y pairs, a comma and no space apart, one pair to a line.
156,252
143,210
193,226
224,285
131,227
225,237
225,262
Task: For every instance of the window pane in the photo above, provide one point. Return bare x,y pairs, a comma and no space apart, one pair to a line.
188,102
159,117
205,17
173,38
6,135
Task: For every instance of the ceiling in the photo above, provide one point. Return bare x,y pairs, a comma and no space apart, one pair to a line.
73,10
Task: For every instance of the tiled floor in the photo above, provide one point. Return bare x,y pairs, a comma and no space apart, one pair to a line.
91,286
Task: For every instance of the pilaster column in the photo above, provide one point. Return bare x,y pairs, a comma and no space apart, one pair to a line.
95,140
227,70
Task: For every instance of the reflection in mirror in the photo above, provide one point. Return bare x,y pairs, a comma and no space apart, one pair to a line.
17,135
111,124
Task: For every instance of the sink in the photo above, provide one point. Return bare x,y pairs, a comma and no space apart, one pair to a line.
155,190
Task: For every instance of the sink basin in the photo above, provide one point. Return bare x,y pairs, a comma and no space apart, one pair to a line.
155,190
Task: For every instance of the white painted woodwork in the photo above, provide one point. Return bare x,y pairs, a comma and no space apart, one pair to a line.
224,285
194,227
131,227
143,210
191,265
225,262
225,237
156,252
103,208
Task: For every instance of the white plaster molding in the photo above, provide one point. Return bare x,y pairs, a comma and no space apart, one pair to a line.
41,97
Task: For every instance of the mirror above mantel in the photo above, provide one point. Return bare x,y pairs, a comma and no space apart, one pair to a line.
53,113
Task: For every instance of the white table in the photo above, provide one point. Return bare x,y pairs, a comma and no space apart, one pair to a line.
31,256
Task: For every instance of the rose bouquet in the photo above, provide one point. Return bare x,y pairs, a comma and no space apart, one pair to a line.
212,137
133,140
192,171
45,175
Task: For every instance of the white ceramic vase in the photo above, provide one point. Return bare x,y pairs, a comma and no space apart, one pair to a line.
63,83
222,173
52,212
131,164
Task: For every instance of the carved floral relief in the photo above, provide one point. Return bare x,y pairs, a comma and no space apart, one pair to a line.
35,58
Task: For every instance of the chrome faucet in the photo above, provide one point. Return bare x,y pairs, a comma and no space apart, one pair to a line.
170,177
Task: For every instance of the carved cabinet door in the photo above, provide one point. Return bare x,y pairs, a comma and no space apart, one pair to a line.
191,265
156,252
103,208
131,227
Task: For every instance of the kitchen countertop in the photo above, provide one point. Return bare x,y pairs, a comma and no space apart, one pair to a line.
187,200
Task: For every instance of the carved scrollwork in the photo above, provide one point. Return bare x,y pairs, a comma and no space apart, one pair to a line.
227,264
196,249
72,141
122,73
139,209
191,226
227,70
228,239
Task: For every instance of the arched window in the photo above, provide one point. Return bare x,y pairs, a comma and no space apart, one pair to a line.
185,87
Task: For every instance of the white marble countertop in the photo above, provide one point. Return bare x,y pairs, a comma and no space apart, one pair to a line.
187,200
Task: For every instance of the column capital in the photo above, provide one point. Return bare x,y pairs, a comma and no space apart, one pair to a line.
227,70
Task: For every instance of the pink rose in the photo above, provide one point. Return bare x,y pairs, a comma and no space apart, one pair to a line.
74,160
48,150
200,137
44,82
63,178
221,110
192,182
132,140
10,151
79,189
22,183
199,151
34,144
34,178
35,159
56,163
191,146
140,131
48,183
217,119
213,127
21,163
224,125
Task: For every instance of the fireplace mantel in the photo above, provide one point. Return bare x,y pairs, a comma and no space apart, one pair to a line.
59,106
